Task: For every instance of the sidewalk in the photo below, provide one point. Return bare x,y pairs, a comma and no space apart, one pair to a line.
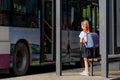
73,74
53,76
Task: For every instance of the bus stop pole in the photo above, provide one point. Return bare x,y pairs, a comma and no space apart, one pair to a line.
58,39
103,37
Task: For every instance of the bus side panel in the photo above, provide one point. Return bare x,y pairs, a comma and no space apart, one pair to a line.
32,36
4,48
4,61
75,45
70,46
4,55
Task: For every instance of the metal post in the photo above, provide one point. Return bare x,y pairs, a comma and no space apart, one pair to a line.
53,31
91,68
58,45
111,25
103,37
42,31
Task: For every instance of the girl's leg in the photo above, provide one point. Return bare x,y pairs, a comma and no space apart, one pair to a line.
86,71
86,64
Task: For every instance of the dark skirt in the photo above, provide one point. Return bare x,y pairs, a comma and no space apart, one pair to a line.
86,52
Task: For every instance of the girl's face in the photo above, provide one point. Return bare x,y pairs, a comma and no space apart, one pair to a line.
84,26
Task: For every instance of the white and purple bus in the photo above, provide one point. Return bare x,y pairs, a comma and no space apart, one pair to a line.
27,33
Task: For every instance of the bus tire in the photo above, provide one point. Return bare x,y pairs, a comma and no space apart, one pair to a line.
20,59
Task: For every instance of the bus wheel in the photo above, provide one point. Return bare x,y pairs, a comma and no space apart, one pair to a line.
20,59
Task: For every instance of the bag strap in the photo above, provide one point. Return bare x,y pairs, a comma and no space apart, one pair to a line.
85,43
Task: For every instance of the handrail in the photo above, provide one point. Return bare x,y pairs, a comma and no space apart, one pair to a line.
50,40
48,24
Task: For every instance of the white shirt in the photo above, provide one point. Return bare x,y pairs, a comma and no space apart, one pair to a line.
87,38
83,35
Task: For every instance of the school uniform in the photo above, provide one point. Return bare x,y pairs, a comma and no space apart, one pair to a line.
86,50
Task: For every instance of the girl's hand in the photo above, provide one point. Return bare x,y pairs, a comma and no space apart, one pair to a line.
82,40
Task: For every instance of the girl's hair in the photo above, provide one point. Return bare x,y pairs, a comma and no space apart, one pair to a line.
86,23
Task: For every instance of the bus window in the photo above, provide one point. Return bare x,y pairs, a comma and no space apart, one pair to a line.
25,13
4,12
74,11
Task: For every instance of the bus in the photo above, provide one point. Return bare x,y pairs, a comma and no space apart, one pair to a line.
27,32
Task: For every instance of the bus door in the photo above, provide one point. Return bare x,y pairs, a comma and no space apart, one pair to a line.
95,18
47,32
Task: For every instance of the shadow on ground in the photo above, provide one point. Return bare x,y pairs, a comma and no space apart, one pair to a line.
37,70
116,79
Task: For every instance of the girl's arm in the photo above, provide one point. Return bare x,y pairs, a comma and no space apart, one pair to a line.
82,40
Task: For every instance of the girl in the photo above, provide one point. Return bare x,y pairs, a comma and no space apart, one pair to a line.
83,39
